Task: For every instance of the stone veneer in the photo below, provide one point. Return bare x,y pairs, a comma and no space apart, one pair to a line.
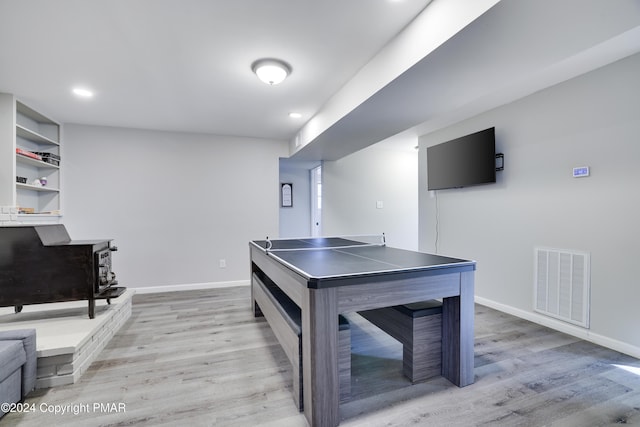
67,340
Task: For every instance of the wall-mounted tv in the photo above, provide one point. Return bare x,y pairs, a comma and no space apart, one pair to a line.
462,162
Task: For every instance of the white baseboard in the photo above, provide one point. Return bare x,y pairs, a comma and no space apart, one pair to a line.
189,287
566,328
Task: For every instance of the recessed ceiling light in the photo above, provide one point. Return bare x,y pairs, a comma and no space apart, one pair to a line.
82,92
295,115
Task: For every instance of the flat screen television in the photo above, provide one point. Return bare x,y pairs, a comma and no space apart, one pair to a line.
462,162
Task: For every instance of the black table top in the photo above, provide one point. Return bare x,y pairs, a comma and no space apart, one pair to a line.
323,259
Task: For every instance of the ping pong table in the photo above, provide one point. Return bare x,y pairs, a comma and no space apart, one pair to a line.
329,276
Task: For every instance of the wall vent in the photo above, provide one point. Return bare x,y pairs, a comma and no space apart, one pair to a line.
562,285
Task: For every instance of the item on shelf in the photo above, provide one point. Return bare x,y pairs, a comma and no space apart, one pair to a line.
36,182
22,210
27,153
50,158
43,181
21,179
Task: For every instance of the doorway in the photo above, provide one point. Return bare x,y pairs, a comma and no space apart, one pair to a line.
316,201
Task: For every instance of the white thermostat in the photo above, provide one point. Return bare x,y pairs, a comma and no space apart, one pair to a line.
581,171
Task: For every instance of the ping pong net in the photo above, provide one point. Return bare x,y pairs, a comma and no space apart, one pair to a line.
315,243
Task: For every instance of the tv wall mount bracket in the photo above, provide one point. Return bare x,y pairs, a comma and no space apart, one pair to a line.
499,162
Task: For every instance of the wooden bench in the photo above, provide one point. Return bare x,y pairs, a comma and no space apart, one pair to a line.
284,317
418,327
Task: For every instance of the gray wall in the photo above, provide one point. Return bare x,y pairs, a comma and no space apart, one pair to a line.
175,203
591,121
353,185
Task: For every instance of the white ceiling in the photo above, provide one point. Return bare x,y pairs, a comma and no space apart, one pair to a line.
185,65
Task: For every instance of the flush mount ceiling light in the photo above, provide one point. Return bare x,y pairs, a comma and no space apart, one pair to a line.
271,71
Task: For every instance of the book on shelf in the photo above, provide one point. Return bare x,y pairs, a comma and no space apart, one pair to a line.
27,153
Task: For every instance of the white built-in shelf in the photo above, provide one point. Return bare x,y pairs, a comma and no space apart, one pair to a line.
33,162
36,188
25,133
33,132
37,216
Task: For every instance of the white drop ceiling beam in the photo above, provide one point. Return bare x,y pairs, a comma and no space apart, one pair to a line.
514,48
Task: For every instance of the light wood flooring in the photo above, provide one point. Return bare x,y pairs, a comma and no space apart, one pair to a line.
199,358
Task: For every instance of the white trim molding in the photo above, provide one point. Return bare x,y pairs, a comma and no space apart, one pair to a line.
188,287
561,326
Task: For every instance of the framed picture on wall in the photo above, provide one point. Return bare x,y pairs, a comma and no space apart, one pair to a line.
286,195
